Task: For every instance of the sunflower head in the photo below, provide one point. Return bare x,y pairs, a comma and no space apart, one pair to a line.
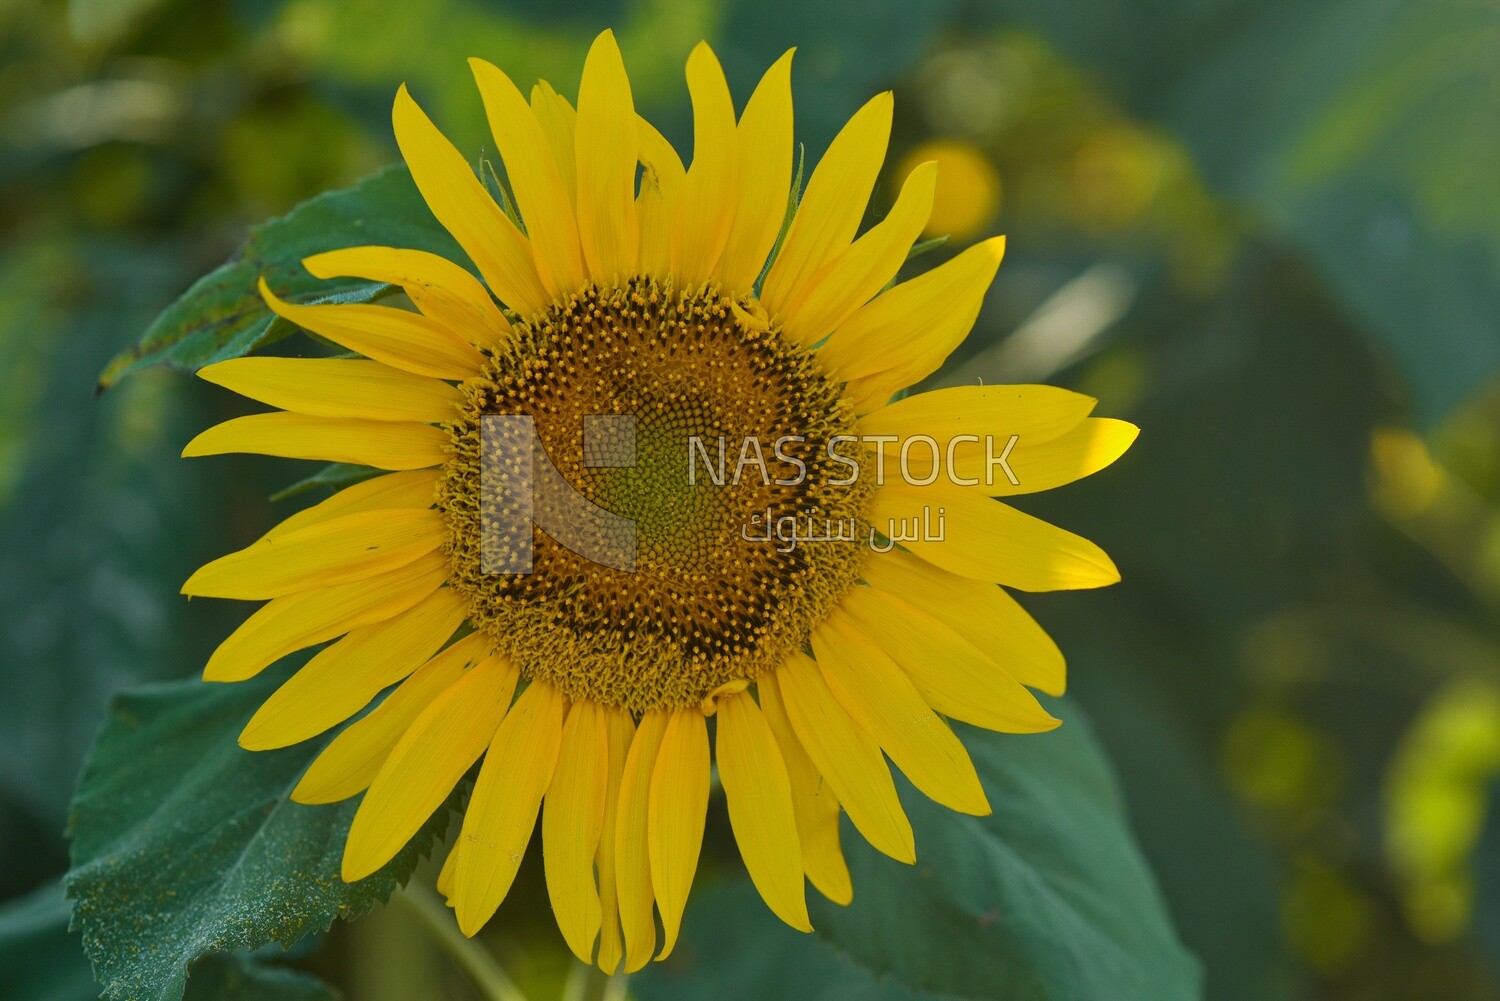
698,605
638,485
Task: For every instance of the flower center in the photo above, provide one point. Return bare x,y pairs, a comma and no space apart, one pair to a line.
678,435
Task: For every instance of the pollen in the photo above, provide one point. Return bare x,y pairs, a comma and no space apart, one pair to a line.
735,429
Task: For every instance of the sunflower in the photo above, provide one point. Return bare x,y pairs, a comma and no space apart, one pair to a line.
689,300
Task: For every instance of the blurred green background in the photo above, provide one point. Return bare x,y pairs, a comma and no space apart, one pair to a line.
1268,233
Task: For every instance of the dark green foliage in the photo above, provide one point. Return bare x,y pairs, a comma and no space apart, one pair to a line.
185,845
222,315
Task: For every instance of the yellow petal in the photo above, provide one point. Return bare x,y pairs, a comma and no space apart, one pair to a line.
662,175
705,205
498,823
426,763
285,625
541,196
951,674
332,552
856,276
611,942
763,150
459,201
413,489
885,703
560,124
572,823
441,289
974,536
1004,465
398,337
445,875
848,757
674,829
395,445
342,679
832,206
759,796
813,801
632,855
981,613
905,334
337,387
1037,466
659,155
1031,413
352,760
606,152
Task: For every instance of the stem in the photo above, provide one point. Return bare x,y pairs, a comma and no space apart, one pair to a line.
475,960
587,982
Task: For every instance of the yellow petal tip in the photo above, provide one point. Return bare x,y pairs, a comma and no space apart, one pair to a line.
221,674
258,736
842,898
468,922
1109,573
317,265
208,373
666,950
193,450
310,793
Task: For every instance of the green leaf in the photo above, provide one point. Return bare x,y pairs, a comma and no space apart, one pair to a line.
1235,931
734,949
222,315
42,960
1047,899
184,844
239,977
334,476
923,246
